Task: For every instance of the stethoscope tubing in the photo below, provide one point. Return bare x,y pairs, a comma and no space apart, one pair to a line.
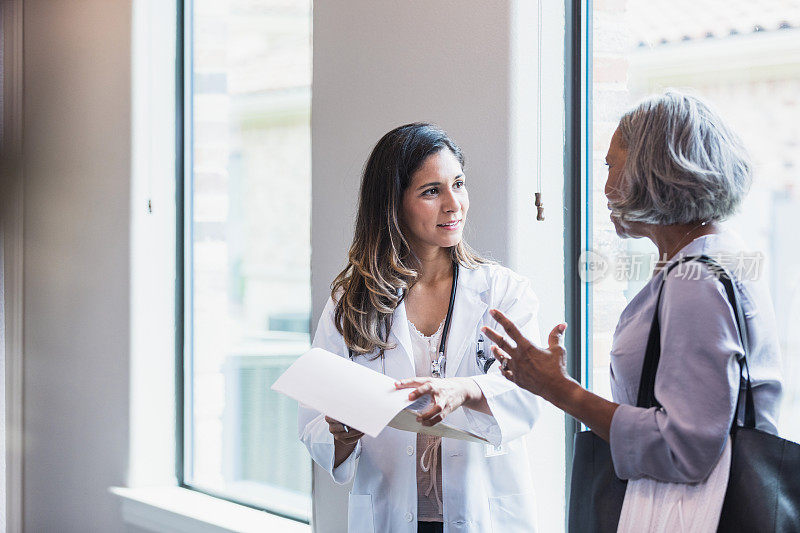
438,366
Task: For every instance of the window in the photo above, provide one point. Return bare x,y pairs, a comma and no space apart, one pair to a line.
246,238
742,56
247,201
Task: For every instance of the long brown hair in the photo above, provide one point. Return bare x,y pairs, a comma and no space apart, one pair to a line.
382,266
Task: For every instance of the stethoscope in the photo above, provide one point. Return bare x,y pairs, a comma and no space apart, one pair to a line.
438,365
484,361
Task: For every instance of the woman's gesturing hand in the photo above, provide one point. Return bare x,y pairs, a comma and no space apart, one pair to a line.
343,434
447,395
541,371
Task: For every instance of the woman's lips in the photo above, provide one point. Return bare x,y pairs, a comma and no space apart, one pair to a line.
450,226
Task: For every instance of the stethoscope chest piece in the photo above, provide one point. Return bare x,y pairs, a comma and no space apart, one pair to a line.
437,367
484,361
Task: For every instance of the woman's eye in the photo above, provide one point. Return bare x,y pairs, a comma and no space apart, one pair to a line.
431,192
458,184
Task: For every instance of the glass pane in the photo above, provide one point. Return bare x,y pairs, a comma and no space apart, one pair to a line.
248,214
742,56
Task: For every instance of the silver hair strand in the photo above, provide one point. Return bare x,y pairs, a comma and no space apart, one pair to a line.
684,163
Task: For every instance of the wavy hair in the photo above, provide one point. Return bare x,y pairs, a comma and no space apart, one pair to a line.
381,264
684,162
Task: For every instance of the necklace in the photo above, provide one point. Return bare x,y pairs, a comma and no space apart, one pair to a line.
678,246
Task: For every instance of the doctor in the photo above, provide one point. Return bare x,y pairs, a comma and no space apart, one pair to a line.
411,303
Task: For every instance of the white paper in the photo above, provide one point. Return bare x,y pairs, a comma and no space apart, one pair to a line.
407,421
356,395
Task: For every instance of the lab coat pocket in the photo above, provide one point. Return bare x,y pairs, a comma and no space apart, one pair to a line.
359,513
513,513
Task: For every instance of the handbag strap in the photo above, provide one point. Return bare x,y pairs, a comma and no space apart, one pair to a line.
646,397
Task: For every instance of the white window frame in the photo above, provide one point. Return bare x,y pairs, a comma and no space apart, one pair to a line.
152,498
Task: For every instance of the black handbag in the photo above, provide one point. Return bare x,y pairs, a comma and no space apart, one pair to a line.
763,493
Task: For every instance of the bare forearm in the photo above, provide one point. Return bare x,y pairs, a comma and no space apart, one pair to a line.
595,412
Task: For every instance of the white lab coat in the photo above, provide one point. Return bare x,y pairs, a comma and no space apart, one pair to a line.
486,488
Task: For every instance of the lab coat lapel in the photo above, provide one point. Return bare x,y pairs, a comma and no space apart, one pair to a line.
467,311
401,333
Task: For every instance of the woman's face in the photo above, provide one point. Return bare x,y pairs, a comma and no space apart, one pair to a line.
435,203
615,160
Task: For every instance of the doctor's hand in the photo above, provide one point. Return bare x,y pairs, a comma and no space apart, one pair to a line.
447,395
343,434
540,371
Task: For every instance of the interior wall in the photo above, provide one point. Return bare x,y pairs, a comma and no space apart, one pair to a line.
77,142
378,65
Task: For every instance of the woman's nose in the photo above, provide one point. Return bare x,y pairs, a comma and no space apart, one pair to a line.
450,203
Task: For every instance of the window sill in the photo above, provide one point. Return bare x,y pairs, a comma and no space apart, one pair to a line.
179,510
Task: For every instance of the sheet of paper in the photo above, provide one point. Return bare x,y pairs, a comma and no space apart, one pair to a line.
407,421
341,389
357,396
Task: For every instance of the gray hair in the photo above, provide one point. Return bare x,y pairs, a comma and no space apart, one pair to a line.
684,163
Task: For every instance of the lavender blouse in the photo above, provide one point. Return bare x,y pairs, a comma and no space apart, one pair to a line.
697,380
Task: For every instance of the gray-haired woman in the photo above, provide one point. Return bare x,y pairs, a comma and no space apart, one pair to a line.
675,171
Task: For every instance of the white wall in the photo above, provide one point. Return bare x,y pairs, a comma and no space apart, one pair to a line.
466,65
381,64
77,59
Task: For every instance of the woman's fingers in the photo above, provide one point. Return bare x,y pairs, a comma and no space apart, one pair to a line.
422,385
431,411
498,339
556,337
425,388
432,415
334,425
410,383
509,326
503,359
433,421
506,363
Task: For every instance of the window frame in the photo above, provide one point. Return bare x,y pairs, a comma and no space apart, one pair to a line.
180,159
184,156
577,199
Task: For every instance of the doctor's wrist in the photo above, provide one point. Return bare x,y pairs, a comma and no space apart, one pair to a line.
475,399
471,391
